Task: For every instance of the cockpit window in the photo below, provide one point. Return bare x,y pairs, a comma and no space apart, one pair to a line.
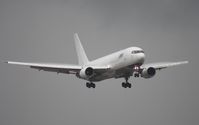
137,51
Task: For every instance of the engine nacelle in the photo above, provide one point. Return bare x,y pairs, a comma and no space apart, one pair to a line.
86,72
148,73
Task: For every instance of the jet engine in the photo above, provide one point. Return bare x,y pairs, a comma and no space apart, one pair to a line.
86,72
148,72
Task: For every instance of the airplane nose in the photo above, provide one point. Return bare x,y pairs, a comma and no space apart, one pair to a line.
141,57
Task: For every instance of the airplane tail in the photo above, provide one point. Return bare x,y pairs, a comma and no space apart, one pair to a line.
82,58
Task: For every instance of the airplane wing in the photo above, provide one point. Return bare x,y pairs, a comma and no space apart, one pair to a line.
59,68
162,65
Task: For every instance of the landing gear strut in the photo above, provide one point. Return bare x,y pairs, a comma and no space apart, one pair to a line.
126,84
90,85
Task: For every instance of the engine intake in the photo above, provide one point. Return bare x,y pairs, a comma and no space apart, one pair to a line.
148,72
86,72
89,71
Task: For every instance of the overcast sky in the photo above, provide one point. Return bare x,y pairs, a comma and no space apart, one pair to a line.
42,31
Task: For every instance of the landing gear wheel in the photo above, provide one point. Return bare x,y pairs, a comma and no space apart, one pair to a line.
93,85
136,75
128,85
124,84
90,85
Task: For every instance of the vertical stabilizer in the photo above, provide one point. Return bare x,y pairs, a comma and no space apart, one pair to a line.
82,58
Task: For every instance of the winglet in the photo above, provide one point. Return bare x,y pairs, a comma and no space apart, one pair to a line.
82,58
5,61
185,62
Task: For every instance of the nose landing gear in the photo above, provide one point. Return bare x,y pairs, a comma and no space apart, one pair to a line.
136,70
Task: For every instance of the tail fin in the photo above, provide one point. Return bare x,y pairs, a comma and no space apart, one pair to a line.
82,58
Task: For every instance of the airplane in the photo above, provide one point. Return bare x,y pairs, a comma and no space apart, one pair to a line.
122,64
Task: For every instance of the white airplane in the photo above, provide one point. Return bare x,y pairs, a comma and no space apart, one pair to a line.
122,64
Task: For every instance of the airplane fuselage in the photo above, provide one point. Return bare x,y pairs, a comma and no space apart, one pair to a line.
132,56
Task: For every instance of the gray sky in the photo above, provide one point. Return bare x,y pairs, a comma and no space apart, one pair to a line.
42,31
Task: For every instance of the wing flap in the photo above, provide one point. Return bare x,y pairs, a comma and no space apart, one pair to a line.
162,65
59,68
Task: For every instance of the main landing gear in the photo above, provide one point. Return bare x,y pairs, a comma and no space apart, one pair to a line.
90,85
126,84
